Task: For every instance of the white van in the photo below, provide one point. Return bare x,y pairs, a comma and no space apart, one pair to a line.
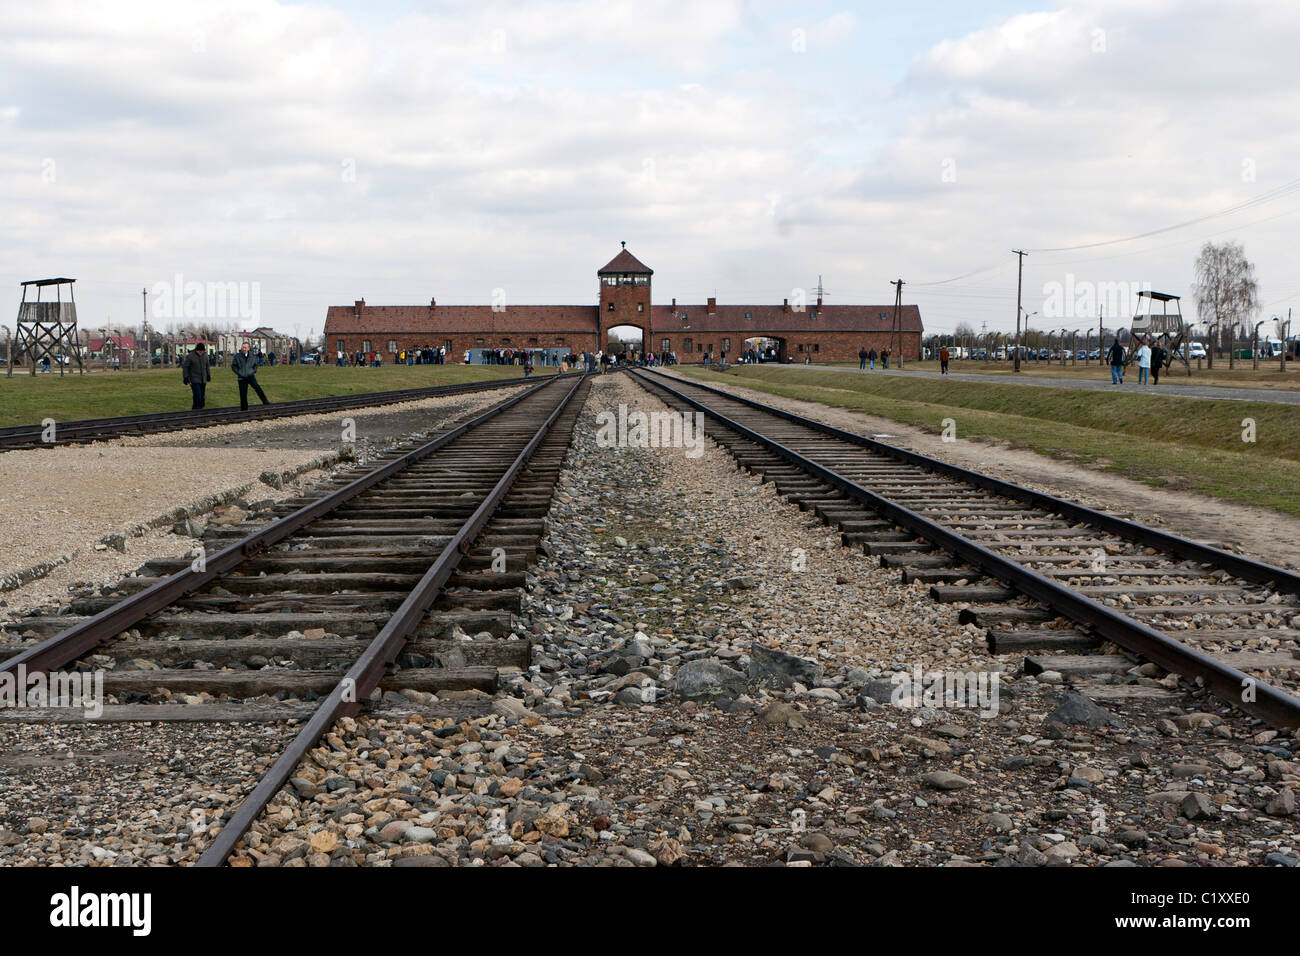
1196,350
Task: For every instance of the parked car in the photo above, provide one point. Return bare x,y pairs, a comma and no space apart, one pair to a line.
1196,350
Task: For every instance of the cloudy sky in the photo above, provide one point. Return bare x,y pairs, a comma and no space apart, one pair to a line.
322,152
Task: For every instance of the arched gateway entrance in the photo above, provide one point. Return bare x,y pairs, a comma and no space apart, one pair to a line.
629,340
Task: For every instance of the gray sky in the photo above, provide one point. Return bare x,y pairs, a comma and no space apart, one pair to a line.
315,153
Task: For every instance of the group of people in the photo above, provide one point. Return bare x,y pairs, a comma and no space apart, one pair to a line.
1150,360
196,372
871,356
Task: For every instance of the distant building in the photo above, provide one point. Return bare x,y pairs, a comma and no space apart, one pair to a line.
122,345
264,339
791,331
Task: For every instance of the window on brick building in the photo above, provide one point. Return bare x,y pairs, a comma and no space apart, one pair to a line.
683,316
343,346
817,347
446,343
749,315
699,347
611,307
365,346
800,348
532,341
640,306
559,341
665,346
392,345
505,341
478,341
726,345
688,345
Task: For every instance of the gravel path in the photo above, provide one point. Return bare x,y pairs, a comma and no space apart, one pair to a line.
709,688
60,502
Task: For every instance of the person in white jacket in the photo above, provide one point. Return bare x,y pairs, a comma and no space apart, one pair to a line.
1144,364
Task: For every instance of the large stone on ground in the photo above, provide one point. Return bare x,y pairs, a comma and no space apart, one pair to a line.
945,780
778,670
706,679
1075,708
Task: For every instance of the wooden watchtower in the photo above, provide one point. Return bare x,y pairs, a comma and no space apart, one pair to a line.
47,329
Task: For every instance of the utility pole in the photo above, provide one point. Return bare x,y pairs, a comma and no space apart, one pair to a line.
1285,331
144,326
898,328
1020,275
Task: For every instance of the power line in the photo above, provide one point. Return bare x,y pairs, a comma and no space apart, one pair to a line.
1283,190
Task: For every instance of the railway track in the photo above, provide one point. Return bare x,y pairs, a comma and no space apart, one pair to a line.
399,582
18,437
1089,595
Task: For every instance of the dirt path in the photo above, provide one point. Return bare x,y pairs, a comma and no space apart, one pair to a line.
1262,533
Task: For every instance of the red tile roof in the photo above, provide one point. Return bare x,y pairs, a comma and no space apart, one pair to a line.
773,319
625,262
117,341
462,319
380,320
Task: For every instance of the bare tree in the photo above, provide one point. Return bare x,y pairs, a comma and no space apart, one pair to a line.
1225,288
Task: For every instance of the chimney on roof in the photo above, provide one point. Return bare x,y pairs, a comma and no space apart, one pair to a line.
785,305
357,306
674,304
713,305
433,302
819,302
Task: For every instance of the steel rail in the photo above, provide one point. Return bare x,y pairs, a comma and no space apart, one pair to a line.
1248,569
364,676
87,429
67,646
1250,695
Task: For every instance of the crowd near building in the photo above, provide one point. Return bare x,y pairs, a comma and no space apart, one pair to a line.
791,332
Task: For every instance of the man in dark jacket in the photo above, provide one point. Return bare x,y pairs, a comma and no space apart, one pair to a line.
1158,356
244,365
196,374
1116,356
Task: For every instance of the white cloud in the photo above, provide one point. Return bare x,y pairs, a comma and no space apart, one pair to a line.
329,155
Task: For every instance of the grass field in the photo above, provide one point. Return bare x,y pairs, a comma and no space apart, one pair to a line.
1269,374
25,399
1187,444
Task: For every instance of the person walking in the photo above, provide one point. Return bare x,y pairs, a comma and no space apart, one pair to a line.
1158,356
244,366
196,374
943,360
871,359
1144,364
1115,354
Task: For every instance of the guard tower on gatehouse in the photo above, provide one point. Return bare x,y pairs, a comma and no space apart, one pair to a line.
625,296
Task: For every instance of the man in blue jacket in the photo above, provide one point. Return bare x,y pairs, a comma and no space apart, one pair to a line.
244,366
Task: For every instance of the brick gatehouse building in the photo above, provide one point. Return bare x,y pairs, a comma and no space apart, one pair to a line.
794,332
